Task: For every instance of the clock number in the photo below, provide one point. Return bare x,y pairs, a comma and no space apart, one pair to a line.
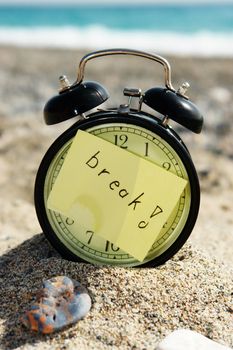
165,225
166,165
69,221
92,233
114,249
120,140
146,150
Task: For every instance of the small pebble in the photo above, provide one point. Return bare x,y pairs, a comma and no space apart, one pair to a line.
184,339
59,303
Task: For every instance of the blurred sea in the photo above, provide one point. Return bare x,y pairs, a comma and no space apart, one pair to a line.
205,30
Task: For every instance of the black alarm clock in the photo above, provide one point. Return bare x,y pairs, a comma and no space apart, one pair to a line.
133,130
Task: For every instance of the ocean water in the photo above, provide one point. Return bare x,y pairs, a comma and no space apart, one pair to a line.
205,30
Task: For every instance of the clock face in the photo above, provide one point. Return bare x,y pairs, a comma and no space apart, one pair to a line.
86,244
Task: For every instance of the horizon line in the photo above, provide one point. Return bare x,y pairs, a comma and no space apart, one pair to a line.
114,2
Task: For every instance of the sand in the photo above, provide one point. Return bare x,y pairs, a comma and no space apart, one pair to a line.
132,308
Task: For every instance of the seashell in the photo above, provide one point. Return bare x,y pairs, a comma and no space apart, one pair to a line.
59,303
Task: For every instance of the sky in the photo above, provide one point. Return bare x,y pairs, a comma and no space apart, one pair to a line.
55,2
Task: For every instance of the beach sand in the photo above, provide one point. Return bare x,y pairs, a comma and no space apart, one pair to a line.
132,308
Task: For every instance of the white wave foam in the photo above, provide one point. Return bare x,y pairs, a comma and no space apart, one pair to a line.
198,44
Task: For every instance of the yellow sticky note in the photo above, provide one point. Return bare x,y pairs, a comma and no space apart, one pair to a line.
115,193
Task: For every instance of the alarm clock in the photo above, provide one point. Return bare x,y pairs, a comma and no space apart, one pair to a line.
133,130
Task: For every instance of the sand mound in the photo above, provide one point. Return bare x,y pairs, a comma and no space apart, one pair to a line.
132,308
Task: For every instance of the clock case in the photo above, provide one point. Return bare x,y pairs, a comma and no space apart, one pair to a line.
76,99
